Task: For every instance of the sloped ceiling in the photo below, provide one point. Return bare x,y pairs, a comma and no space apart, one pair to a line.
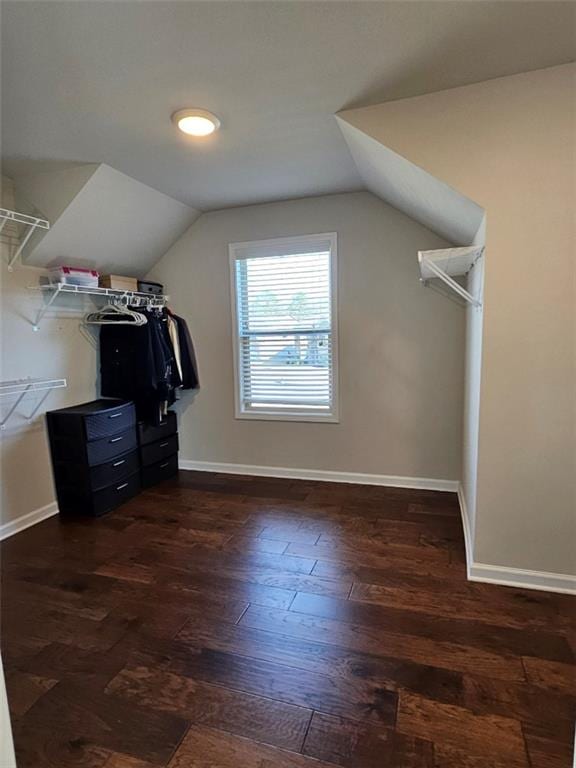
97,81
411,189
102,219
89,87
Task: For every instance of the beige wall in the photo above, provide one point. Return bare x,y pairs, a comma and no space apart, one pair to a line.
400,363
508,144
401,346
57,350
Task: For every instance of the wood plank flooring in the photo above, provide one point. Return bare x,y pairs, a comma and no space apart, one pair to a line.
233,622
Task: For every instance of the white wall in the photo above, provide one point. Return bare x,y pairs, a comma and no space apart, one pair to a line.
472,392
57,350
7,757
401,346
509,145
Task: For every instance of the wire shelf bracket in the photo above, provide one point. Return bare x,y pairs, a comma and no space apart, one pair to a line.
447,263
57,289
19,388
32,223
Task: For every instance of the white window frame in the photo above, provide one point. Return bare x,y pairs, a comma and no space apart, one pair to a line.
273,247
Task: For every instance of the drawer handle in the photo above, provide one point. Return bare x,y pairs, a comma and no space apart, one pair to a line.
115,439
164,445
163,466
124,485
119,463
115,415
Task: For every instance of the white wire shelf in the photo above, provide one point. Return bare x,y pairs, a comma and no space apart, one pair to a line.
57,289
19,388
32,223
448,263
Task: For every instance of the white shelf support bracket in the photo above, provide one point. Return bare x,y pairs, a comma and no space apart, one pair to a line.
439,273
20,248
46,307
22,387
39,405
31,222
13,407
448,263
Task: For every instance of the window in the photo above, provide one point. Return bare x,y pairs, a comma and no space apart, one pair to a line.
285,342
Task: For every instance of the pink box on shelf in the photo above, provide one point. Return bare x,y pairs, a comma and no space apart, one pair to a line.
74,276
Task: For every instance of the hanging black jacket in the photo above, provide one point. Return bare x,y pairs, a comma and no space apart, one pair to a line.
187,355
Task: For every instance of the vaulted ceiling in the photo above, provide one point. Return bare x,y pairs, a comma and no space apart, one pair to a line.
96,82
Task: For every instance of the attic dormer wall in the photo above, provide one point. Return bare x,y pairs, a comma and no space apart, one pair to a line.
508,144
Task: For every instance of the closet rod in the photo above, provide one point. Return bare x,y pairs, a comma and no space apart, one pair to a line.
447,263
452,283
153,299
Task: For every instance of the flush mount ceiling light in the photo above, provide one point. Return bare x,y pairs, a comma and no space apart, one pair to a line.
196,122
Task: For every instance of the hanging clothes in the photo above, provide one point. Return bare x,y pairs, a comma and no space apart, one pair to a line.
138,363
188,367
148,363
173,333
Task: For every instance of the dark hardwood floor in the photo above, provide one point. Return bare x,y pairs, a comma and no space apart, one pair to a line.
234,622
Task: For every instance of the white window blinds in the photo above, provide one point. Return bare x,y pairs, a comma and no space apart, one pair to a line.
284,307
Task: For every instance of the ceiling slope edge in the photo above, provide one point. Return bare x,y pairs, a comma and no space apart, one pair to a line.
409,188
102,219
433,155
49,193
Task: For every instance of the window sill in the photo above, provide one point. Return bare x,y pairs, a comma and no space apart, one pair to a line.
275,416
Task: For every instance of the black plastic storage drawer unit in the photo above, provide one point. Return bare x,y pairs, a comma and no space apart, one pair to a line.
95,459
158,450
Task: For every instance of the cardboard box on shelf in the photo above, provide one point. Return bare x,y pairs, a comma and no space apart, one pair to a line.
118,282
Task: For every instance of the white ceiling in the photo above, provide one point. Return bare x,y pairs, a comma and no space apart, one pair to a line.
102,219
96,82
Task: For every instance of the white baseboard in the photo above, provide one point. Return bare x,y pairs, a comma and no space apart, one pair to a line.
505,576
482,572
466,525
37,515
25,521
518,577
323,475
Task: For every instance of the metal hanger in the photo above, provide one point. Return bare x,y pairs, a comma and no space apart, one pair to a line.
115,314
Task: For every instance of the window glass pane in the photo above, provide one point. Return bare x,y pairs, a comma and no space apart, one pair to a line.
284,307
